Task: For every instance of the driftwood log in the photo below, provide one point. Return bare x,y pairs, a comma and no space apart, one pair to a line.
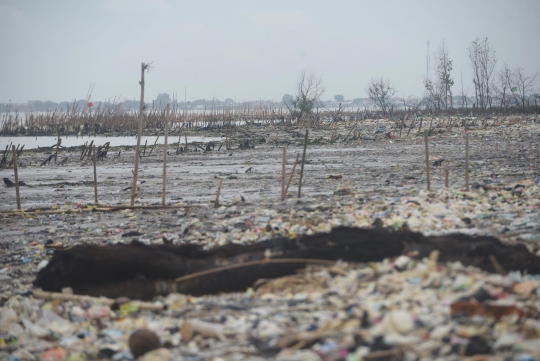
142,272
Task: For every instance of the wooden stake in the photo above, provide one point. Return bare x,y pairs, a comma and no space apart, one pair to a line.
302,165
152,149
87,150
411,125
165,158
216,203
83,149
178,145
446,172
95,179
291,177
57,144
139,131
15,170
284,160
427,161
466,161
144,150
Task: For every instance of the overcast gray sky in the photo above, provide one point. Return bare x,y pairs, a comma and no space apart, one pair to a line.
54,49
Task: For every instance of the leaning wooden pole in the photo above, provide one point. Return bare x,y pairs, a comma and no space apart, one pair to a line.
290,178
164,190
95,179
284,161
427,161
139,132
467,161
302,165
216,203
16,171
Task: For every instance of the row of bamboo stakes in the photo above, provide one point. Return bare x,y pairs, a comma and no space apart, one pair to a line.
113,119
86,122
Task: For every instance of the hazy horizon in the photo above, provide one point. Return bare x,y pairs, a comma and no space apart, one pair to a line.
247,50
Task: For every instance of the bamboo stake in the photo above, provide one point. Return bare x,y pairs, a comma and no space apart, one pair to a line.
144,150
139,131
284,160
57,144
216,203
83,149
86,149
466,161
5,152
411,125
302,165
152,149
95,179
291,177
427,161
164,190
179,140
15,170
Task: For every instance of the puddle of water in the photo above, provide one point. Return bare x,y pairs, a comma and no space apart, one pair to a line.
72,141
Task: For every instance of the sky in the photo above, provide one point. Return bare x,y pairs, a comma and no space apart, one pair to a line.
247,50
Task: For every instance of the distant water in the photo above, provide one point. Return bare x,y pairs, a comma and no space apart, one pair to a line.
71,141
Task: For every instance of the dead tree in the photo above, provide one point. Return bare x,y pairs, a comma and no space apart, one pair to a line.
309,90
380,91
525,85
483,61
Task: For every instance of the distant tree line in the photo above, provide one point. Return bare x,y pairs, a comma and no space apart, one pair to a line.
493,87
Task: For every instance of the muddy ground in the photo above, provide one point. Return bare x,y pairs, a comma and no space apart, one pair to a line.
383,166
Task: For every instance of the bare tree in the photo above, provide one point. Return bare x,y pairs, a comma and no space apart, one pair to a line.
524,86
444,67
504,82
483,61
380,91
309,90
